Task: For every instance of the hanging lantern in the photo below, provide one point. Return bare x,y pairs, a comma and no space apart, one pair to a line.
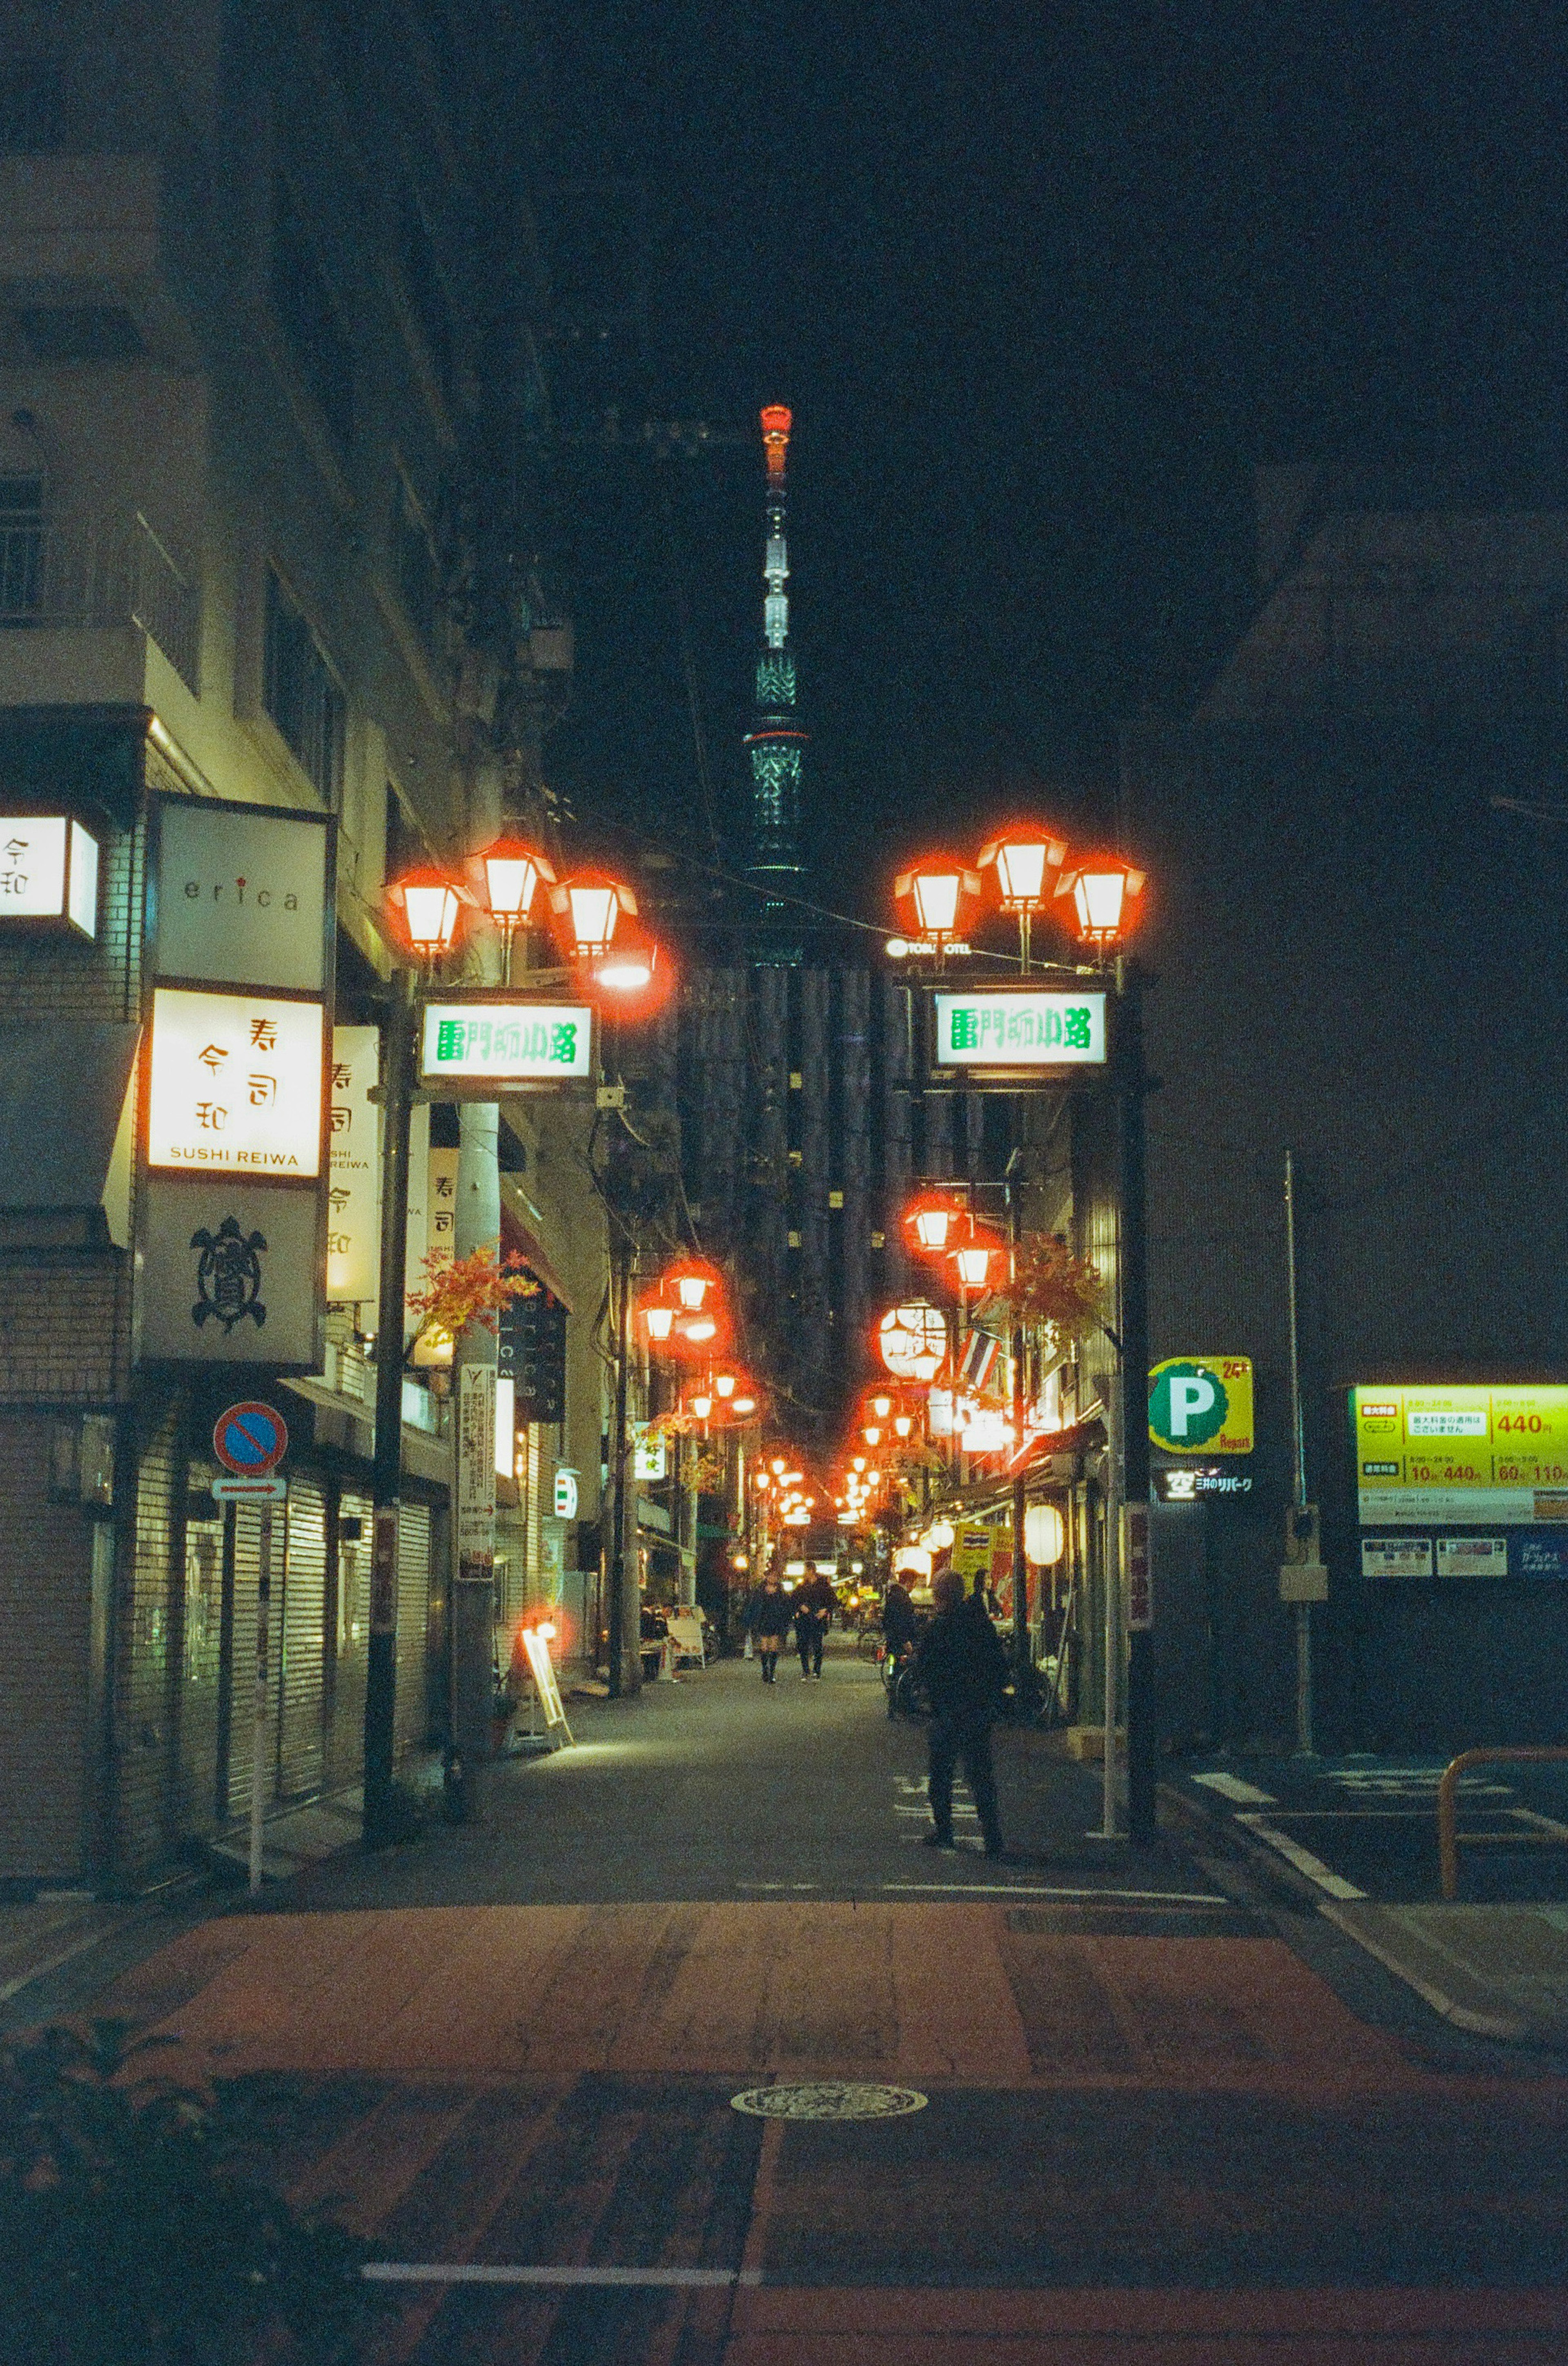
1045,1536
930,1222
913,1339
974,1259
512,873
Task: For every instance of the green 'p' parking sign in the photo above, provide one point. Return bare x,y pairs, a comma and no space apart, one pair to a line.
1201,1405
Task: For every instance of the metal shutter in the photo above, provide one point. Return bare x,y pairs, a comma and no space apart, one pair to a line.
345,1743
246,1540
414,1607
300,1764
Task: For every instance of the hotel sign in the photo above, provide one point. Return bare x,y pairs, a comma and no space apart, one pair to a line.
1427,1456
49,871
1024,1031
235,1086
506,1042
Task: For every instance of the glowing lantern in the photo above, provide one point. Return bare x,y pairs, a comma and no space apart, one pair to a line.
512,873
1021,859
656,1316
633,972
930,1221
429,903
973,1259
694,1282
588,909
914,1340
1101,891
902,1423
1045,1537
881,1407
937,899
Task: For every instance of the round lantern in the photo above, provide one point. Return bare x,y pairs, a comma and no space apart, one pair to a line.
914,1340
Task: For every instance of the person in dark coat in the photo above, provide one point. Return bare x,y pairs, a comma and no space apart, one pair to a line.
815,1603
963,1668
900,1625
769,1623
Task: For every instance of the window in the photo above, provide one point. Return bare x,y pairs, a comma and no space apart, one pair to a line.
309,318
300,693
21,547
32,109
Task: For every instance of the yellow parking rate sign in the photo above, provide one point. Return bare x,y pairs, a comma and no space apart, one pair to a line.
1201,1405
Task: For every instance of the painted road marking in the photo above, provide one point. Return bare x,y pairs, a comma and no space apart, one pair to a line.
1231,1786
479,2272
1331,1883
1095,1896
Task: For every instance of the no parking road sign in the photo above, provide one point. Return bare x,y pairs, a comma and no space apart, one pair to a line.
250,1439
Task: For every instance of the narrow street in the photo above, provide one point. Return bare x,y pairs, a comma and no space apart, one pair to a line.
1167,2114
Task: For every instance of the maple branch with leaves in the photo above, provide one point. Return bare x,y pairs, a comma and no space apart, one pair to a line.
477,1288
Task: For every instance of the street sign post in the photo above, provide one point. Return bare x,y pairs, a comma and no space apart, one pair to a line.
250,1439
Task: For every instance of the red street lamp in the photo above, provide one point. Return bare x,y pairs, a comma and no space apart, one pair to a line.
973,1257
513,874
937,899
1101,890
693,1283
931,1221
1022,861
430,904
588,909
656,1316
634,974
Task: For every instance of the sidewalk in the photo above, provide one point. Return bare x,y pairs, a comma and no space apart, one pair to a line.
1357,1839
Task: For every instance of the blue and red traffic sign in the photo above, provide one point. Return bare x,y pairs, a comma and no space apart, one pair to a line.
250,1439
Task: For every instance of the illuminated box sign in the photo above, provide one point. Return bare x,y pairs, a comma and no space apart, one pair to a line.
1201,1405
235,1085
1429,1456
49,871
506,1042
1196,1485
1047,1030
243,892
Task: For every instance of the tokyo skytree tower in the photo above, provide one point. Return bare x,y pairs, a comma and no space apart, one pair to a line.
776,743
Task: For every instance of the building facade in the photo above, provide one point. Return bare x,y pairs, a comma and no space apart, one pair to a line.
250,302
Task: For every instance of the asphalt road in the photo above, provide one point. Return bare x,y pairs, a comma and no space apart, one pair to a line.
1134,2109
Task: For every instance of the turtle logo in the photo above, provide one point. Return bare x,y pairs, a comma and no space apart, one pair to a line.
228,1276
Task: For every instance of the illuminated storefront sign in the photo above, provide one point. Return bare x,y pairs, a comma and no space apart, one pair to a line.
1194,1484
1429,1456
1043,1029
49,871
1201,1405
235,1085
506,1042
353,1184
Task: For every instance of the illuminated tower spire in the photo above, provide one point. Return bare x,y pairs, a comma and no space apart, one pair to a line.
776,743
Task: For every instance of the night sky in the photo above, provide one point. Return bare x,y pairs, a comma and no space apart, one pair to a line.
1041,286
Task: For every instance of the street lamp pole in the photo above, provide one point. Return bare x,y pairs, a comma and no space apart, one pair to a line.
622,1269
381,1674
1023,1657
1143,1764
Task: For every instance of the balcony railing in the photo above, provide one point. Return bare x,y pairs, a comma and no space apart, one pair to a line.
75,573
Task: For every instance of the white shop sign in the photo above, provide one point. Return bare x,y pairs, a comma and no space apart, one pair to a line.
353,1187
509,1042
475,1467
240,895
235,1085
49,871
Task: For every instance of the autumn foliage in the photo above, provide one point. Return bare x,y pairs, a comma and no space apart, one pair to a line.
1055,1288
477,1288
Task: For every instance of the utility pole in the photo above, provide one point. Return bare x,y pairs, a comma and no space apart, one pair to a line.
470,1639
1143,1737
620,1270
1023,1657
1304,1703
381,1673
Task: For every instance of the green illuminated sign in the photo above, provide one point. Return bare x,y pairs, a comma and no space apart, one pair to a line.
509,1042
1028,1030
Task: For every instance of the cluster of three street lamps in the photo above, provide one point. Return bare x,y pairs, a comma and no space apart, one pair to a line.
591,917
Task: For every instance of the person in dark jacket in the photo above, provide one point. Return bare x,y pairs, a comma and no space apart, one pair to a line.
769,1623
815,1603
900,1625
963,1668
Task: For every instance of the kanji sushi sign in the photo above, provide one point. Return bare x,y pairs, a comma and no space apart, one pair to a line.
235,1085
1023,1029
506,1042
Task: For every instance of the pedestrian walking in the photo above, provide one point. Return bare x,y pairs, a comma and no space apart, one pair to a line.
900,1632
769,1623
815,1603
963,1668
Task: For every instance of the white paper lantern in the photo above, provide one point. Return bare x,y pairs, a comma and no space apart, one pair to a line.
1044,1535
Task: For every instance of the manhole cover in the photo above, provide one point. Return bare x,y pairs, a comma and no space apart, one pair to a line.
828,2099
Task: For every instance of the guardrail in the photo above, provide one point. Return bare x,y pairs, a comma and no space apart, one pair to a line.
1449,1833
72,573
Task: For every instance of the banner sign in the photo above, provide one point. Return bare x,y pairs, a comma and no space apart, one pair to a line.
235,1085
1025,1030
506,1041
242,894
1428,1456
475,1467
1201,1405
354,1180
